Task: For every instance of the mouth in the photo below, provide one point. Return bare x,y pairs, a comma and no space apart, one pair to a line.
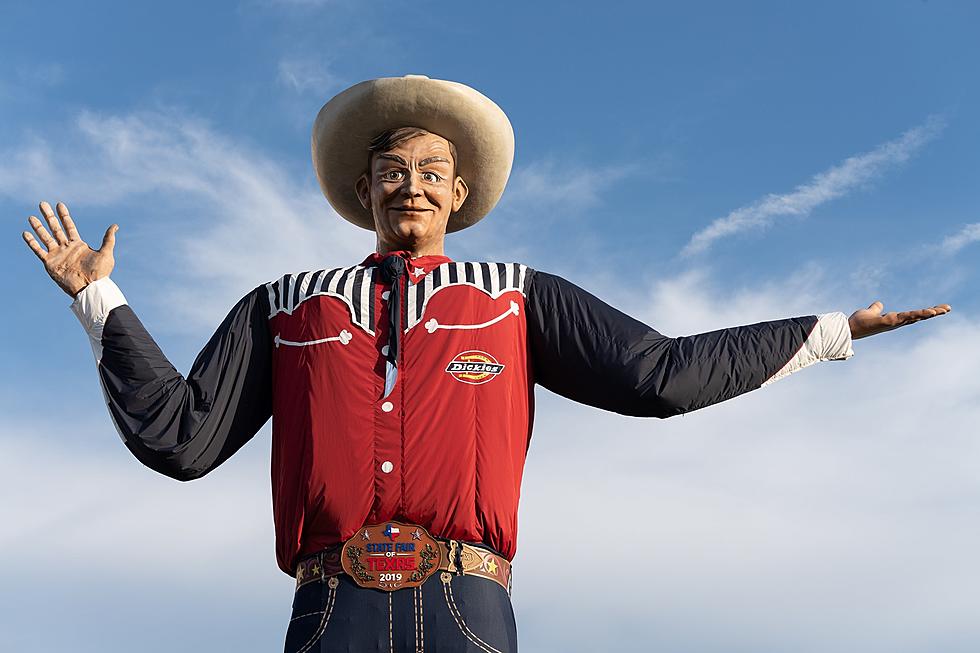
410,209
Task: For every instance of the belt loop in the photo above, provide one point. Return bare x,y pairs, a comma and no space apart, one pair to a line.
459,557
323,569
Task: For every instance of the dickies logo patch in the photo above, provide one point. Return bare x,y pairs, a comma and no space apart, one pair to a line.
474,367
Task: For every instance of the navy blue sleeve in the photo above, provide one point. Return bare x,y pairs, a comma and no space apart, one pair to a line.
185,427
585,350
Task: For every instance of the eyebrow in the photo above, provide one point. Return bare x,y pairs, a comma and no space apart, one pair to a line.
393,157
427,160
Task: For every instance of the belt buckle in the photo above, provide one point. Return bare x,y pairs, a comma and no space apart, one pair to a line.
390,556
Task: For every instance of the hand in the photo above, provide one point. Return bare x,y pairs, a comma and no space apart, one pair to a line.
869,321
68,259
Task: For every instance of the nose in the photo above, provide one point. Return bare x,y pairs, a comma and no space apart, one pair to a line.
411,187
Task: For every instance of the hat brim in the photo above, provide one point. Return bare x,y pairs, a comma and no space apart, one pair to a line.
479,129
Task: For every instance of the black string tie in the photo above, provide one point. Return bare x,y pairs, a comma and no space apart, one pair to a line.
392,271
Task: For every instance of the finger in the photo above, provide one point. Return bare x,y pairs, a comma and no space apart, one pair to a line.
42,233
908,317
876,306
67,221
59,234
109,240
45,209
34,245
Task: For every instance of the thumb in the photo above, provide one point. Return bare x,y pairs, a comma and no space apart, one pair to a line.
876,306
109,240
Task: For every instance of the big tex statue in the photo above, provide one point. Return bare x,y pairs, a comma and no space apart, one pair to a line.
401,388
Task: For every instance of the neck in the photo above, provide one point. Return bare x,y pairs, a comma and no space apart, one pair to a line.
433,248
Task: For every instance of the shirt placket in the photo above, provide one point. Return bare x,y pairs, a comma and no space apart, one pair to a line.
388,410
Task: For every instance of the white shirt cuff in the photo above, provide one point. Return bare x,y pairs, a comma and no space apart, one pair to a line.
92,306
829,340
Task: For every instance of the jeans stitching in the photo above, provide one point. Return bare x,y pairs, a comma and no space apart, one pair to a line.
421,621
323,622
415,605
463,628
308,614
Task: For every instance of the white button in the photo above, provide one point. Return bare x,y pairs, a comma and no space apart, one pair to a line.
387,406
384,350
386,467
385,295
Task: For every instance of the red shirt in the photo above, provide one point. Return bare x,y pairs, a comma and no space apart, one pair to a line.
445,449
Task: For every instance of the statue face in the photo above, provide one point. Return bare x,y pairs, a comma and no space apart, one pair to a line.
411,191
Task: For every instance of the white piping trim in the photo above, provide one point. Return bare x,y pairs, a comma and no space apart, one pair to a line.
344,337
432,325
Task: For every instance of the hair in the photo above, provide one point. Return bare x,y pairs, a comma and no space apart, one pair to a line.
390,138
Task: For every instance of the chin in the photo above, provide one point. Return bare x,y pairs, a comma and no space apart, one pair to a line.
411,233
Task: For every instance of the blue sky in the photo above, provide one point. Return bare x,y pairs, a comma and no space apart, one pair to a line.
699,165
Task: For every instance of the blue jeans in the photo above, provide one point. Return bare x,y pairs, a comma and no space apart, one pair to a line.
448,613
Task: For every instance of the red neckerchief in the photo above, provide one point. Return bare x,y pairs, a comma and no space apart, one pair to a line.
416,267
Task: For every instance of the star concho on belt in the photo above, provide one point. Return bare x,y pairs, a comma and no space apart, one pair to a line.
391,555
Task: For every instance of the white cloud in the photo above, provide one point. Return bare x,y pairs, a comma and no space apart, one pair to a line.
560,185
306,74
245,219
539,195
967,235
299,3
830,184
49,73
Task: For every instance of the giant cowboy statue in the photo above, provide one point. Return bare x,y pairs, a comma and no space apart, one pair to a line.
401,388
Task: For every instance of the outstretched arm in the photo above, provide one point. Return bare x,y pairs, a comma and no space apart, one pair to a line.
180,427
588,351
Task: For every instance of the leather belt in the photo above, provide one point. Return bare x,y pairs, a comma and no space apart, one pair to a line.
457,557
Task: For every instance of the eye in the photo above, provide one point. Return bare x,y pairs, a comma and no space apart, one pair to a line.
431,177
392,175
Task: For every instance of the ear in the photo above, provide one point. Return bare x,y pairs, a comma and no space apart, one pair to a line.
363,189
460,191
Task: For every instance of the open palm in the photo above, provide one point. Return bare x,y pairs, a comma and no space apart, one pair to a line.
870,321
68,259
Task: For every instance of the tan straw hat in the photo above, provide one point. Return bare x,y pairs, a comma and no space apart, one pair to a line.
479,129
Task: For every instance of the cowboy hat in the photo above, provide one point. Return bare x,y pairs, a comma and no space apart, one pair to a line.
479,129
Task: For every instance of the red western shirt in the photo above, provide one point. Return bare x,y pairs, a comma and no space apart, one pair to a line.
445,448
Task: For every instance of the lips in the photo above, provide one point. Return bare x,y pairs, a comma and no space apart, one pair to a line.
409,209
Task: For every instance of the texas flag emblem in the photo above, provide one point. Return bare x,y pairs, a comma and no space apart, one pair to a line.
391,532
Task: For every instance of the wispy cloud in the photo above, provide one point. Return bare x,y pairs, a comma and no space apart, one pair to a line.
246,218
967,235
21,80
50,73
830,184
307,75
299,3
562,185
540,194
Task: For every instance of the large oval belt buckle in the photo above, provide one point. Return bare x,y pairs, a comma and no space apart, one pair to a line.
390,556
